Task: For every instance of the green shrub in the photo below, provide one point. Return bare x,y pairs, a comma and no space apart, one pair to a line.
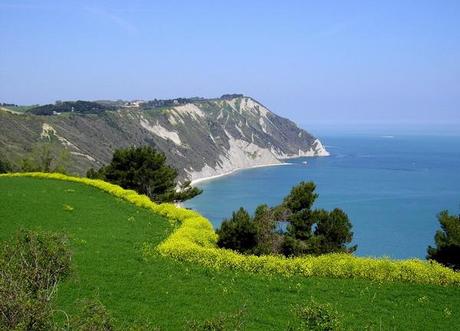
93,316
5,166
447,250
316,317
47,156
32,264
223,322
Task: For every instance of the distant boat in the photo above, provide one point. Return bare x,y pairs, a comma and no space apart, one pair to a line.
304,162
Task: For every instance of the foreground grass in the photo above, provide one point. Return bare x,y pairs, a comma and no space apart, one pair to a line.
108,234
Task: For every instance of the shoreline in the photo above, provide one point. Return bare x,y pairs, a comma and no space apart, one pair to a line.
199,180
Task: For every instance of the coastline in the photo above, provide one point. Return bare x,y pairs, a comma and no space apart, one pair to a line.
203,179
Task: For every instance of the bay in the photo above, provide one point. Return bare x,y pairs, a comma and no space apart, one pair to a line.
392,188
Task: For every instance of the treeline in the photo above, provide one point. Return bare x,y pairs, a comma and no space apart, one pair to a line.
96,107
158,103
231,96
292,228
83,107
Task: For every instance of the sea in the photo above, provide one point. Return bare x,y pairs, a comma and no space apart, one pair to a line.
391,187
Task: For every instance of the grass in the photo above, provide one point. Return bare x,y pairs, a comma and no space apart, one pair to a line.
107,236
19,109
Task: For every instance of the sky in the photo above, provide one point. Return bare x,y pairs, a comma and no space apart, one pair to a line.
320,63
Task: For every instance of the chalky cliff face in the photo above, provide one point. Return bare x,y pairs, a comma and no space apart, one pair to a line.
201,139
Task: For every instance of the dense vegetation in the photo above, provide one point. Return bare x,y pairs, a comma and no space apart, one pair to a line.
5,166
144,170
4,104
308,231
83,107
97,107
447,250
158,103
231,96
108,237
46,156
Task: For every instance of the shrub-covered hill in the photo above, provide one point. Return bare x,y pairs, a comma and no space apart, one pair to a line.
108,236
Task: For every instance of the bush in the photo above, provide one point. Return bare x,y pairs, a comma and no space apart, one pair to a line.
32,265
5,166
48,156
223,322
316,317
447,250
93,316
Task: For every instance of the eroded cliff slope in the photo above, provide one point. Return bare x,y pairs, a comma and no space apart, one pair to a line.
201,138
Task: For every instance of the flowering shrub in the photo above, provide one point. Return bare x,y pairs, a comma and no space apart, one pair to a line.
194,240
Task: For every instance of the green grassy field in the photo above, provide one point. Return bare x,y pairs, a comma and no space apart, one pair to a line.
107,236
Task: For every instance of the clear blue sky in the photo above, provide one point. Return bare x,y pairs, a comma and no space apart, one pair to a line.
311,61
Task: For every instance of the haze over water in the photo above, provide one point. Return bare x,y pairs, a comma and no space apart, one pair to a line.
391,187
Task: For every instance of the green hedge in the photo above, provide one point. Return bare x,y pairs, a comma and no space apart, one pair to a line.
194,240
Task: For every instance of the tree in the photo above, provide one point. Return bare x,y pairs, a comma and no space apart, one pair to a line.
268,240
302,196
4,166
46,157
447,239
313,231
308,231
95,174
333,232
144,170
296,210
238,233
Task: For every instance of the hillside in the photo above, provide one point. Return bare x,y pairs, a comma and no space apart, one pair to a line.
200,137
108,236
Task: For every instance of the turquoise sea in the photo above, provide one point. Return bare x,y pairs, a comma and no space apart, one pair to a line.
391,187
